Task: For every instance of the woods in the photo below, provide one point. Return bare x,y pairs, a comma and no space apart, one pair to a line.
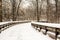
40,10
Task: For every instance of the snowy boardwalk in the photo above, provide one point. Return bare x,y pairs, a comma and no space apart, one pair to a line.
23,32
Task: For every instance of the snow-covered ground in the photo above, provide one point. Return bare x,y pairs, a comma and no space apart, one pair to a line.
23,32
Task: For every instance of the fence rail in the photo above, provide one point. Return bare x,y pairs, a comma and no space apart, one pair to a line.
5,25
52,27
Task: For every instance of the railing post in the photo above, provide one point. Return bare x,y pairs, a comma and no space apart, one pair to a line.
0,29
46,30
40,28
56,33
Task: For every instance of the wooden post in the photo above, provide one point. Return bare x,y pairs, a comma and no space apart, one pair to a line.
46,30
40,27
56,33
0,29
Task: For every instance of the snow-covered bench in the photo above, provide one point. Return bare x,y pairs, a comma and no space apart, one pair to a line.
4,25
54,28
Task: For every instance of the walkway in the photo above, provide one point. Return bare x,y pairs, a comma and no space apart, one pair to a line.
23,32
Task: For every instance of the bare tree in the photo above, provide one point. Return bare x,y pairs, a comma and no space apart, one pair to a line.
47,9
13,2
0,10
37,12
58,11
56,16
18,8
51,11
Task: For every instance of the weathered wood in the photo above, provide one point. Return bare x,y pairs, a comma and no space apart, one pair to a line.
5,24
49,25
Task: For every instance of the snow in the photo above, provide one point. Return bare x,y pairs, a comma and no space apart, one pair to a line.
54,25
51,33
1,23
23,32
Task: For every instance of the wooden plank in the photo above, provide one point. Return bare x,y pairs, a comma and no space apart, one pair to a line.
49,25
53,25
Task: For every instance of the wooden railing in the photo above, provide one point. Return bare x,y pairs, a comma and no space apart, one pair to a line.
47,27
5,25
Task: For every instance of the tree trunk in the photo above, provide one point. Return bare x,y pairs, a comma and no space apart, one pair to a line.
0,10
13,2
14,8
56,16
47,12
18,8
37,12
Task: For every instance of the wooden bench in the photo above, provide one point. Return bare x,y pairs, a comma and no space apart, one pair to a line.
46,27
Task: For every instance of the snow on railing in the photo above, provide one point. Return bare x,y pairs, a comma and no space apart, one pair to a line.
47,25
4,25
54,25
1,23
